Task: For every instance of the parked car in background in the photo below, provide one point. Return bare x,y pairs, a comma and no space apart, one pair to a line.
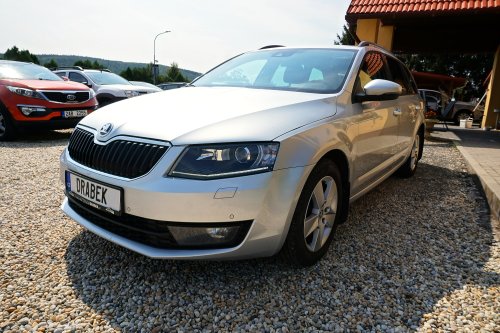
109,87
31,96
171,85
437,101
262,154
150,87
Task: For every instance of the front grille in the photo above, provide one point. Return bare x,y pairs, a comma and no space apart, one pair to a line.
123,158
151,232
67,97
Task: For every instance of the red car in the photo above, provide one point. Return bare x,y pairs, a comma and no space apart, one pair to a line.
31,96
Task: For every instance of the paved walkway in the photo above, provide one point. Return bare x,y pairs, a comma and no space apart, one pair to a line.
481,150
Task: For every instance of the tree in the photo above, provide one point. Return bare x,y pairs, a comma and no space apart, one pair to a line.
20,55
346,38
174,74
138,74
51,64
87,64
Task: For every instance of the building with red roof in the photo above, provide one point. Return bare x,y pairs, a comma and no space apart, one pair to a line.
434,26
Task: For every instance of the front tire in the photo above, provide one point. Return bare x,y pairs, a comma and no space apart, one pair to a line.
316,216
7,129
410,166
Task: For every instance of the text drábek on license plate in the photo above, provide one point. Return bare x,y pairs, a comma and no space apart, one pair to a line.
74,113
95,194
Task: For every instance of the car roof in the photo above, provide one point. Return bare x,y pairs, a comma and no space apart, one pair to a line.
17,62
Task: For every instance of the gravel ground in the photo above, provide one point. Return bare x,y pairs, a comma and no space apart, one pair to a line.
415,255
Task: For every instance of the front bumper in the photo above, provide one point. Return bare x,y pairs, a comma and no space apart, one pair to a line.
267,201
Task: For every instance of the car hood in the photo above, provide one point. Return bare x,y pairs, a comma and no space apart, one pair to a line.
212,114
44,84
119,87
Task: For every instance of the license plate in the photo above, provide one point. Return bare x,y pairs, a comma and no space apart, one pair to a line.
93,193
74,114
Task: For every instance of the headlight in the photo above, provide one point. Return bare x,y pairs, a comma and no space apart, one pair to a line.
25,92
131,93
91,93
225,160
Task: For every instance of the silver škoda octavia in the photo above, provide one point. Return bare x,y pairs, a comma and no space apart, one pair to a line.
261,154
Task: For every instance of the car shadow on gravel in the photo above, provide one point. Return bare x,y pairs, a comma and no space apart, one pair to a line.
407,244
34,139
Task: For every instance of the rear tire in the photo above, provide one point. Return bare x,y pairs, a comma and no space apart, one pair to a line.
409,168
461,115
7,129
316,216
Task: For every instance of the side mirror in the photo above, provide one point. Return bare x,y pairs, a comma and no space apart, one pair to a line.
379,90
87,84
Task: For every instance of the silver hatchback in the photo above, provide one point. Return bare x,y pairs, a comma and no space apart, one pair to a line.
261,154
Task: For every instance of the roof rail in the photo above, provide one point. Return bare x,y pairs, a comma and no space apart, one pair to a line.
367,43
105,70
270,47
70,67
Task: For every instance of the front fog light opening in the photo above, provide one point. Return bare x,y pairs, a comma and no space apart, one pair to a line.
27,110
210,236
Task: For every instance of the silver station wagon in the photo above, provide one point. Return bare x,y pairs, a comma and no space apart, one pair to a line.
261,155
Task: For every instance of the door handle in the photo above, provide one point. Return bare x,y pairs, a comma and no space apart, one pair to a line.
397,112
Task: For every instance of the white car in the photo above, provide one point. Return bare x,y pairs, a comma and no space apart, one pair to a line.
150,88
108,87
262,154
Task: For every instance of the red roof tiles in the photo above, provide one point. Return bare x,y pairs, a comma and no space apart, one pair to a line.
414,6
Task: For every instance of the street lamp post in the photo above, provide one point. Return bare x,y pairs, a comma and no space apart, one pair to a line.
155,71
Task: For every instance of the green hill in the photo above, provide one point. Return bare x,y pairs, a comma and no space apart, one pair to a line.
113,65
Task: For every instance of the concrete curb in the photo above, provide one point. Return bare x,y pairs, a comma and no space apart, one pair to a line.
491,189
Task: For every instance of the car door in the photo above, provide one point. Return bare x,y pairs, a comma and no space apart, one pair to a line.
408,105
376,142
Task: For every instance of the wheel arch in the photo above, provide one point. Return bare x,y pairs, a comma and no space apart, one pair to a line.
105,96
464,110
421,132
340,159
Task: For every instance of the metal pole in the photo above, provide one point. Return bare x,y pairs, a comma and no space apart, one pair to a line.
154,54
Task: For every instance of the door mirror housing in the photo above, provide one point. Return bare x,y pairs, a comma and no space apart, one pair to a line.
379,90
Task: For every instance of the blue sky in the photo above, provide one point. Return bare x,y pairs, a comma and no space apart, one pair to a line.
204,32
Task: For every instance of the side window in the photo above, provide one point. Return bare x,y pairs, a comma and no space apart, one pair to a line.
61,74
411,80
77,77
398,76
373,67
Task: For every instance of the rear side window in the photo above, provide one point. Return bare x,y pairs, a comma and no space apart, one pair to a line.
411,80
399,76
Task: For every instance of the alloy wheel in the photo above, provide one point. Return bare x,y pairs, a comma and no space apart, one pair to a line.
320,214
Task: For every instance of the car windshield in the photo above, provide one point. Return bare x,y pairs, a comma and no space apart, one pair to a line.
305,70
104,78
26,71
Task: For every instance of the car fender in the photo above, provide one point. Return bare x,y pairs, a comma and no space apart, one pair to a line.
110,93
308,144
